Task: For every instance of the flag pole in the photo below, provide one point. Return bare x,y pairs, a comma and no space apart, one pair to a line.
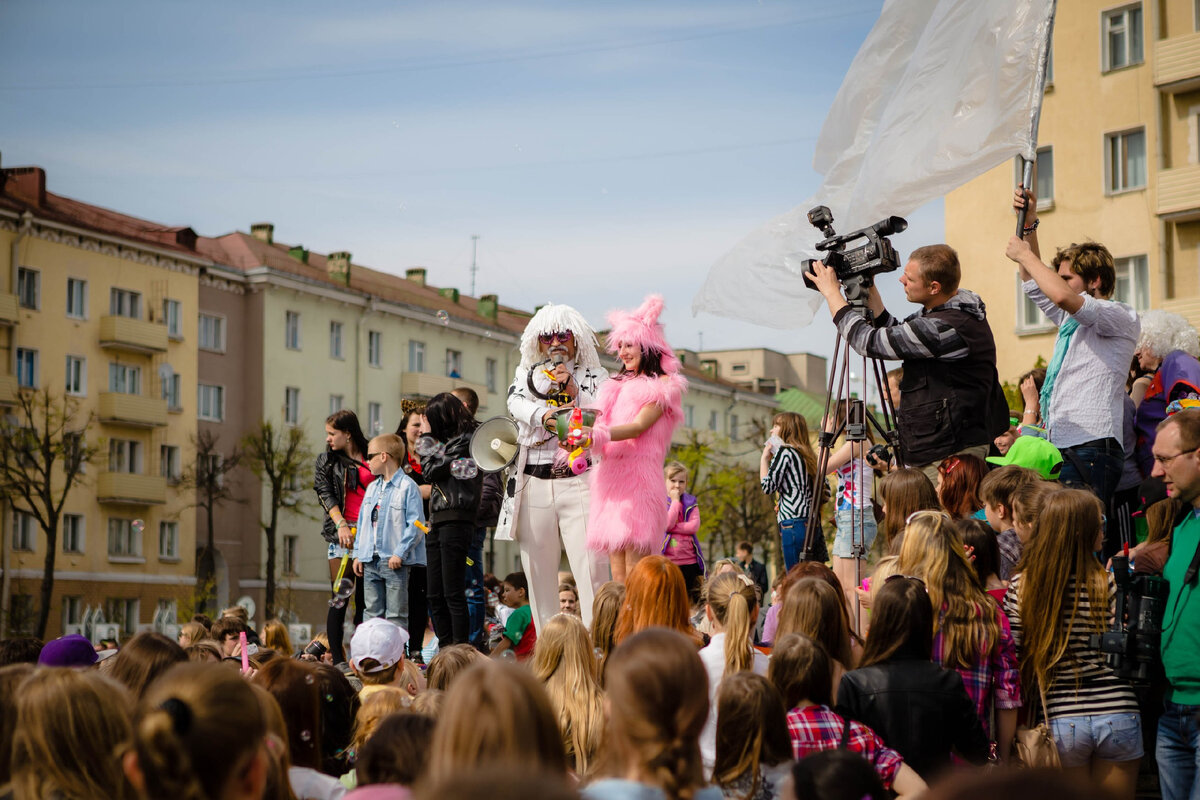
1043,64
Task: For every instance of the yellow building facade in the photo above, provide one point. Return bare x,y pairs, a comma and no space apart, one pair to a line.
1119,163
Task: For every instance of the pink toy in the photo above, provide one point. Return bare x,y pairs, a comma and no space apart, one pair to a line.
245,651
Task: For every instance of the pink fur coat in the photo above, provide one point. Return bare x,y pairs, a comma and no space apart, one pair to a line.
627,508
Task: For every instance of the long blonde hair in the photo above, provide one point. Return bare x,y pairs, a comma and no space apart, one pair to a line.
72,728
734,604
564,662
965,615
1062,549
606,608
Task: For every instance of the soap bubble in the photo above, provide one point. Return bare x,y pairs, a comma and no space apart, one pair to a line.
427,446
464,468
443,317
307,679
306,735
138,526
341,593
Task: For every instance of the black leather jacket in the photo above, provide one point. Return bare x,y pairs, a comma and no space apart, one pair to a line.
920,709
451,499
333,477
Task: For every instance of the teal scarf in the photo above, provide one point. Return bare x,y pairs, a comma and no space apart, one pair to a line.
1065,332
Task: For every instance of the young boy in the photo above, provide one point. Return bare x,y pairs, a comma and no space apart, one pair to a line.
996,490
519,634
388,542
377,655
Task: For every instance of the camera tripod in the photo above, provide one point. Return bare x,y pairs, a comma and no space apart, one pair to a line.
856,421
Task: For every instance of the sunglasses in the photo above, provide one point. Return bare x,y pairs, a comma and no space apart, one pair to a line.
891,578
372,455
563,337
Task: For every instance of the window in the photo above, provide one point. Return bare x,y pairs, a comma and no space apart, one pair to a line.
211,333
72,610
453,364
1050,66
72,533
336,401
712,420
124,379
1122,32
335,340
416,356
739,369
24,536
73,452
689,416
1126,160
489,374
125,455
76,376
291,546
168,541
124,303
29,288
123,611
1045,177
212,469
291,405
1133,282
172,317
211,402
124,538
374,348
1030,318
27,367
169,464
76,298
374,419
733,428
171,389
291,331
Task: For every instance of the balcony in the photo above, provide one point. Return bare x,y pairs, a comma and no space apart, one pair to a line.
132,410
426,385
9,313
8,390
1177,62
132,335
133,490
1179,192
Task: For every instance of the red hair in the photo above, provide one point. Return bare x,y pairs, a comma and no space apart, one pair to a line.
959,491
655,596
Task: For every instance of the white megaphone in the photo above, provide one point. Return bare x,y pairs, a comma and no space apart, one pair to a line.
494,444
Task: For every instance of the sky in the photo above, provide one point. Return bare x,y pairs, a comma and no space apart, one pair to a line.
600,151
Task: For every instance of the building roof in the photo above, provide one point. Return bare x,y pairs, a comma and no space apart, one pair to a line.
806,404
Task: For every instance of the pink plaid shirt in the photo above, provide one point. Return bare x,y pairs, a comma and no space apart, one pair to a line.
816,728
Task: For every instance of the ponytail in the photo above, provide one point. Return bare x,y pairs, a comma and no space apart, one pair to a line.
733,600
164,761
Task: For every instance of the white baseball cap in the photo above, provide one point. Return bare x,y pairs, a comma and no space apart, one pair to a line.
380,640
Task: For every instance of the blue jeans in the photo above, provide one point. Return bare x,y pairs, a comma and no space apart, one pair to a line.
1111,737
1178,752
476,593
385,591
791,533
1103,461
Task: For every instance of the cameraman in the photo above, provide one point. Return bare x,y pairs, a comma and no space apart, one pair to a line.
1176,453
953,402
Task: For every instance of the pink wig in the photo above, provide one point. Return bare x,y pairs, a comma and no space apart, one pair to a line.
641,327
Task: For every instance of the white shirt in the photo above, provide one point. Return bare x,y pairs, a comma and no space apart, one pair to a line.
528,409
1087,401
713,656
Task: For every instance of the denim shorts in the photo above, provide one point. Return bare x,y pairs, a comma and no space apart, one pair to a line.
1112,737
843,545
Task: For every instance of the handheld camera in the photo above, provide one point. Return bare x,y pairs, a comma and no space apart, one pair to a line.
856,267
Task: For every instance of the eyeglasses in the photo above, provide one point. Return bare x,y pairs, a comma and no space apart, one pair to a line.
563,337
891,578
1164,460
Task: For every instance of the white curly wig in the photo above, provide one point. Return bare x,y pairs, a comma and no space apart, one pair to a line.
555,318
1164,332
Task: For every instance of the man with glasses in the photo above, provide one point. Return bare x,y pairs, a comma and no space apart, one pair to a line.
1176,453
560,368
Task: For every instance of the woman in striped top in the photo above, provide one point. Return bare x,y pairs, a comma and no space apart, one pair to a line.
787,468
1092,713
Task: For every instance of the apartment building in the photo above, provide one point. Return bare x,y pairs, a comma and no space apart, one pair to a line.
100,308
1118,163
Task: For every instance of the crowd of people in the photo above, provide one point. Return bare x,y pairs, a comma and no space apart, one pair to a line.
983,635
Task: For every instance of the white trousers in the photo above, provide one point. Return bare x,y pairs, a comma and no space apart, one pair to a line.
551,508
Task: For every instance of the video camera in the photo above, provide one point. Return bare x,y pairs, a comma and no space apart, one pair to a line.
856,268
1132,643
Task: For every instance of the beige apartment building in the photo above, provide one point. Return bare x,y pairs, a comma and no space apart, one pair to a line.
1118,163
763,370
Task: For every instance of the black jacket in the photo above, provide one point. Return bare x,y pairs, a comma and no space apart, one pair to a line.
335,475
451,499
920,709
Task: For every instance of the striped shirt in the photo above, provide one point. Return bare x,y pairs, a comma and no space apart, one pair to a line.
919,336
1082,683
791,480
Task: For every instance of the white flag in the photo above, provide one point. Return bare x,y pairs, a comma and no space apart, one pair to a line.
940,92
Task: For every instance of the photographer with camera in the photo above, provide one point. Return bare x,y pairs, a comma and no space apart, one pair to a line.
953,402
1176,452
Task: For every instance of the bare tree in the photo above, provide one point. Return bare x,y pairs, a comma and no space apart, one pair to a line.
43,450
279,458
206,476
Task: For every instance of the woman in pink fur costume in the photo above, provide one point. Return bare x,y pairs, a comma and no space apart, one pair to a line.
642,405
